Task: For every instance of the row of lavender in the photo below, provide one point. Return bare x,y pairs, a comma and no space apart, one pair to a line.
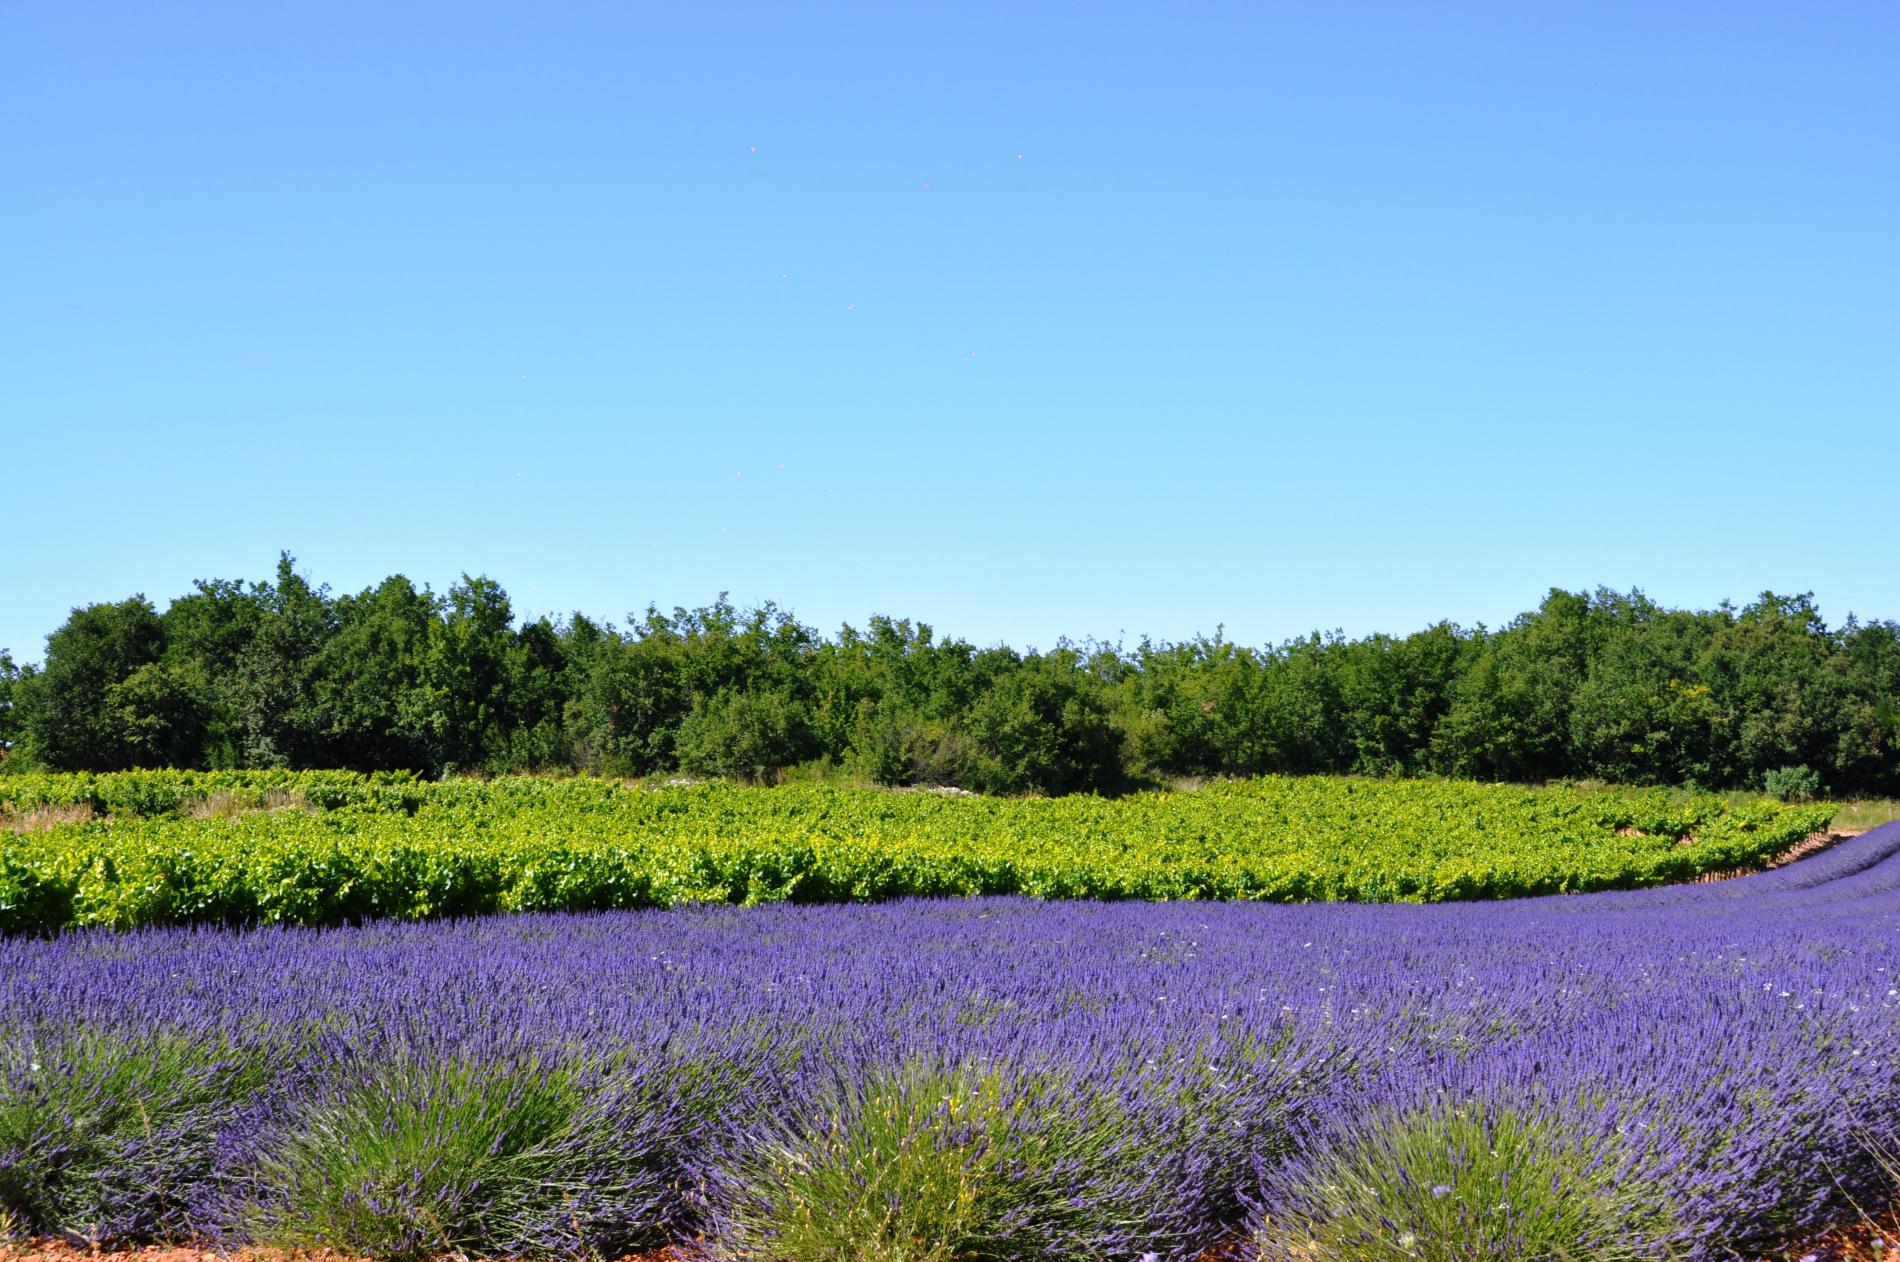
1682,1072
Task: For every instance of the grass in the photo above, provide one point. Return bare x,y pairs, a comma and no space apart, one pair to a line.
1860,814
219,804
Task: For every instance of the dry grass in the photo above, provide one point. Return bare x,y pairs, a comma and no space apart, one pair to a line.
219,805
45,817
224,805
1861,814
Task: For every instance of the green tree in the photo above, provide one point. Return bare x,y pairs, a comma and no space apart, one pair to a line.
9,727
748,735
271,692
158,716
1045,727
535,689
1294,722
467,672
1767,669
278,673
1196,708
887,702
1867,756
1395,692
75,713
207,632
1640,716
1510,712
371,686
893,743
627,702
732,676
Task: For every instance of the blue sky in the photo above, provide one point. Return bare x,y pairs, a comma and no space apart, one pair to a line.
1024,320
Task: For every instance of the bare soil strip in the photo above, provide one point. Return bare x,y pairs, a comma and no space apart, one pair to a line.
1813,843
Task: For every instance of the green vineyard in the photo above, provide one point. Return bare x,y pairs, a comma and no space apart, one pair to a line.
324,848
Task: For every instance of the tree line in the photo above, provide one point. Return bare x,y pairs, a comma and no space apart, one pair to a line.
1597,684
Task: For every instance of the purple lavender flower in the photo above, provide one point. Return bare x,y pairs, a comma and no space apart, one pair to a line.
1163,1076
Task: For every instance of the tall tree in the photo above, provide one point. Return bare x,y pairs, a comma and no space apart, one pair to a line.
207,632
370,685
9,728
1510,711
271,699
1045,726
77,712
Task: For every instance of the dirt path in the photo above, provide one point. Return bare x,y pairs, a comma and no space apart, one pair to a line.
1813,843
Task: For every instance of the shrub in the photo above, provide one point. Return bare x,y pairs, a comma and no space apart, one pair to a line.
497,1153
1072,1156
748,735
910,1169
1044,727
894,745
1793,784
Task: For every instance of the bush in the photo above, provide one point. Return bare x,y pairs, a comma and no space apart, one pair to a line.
925,1162
747,735
910,1167
1044,727
894,745
1793,784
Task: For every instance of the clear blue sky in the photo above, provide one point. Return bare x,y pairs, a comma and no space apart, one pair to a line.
1021,319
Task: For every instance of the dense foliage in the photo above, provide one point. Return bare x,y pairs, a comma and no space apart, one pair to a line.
1695,1072
346,848
1603,685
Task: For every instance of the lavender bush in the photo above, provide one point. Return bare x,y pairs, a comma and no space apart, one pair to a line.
1687,1072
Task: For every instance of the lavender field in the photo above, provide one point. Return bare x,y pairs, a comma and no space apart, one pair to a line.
1690,1072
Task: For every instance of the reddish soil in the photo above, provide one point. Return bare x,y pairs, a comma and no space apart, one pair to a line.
1811,844
1868,1240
